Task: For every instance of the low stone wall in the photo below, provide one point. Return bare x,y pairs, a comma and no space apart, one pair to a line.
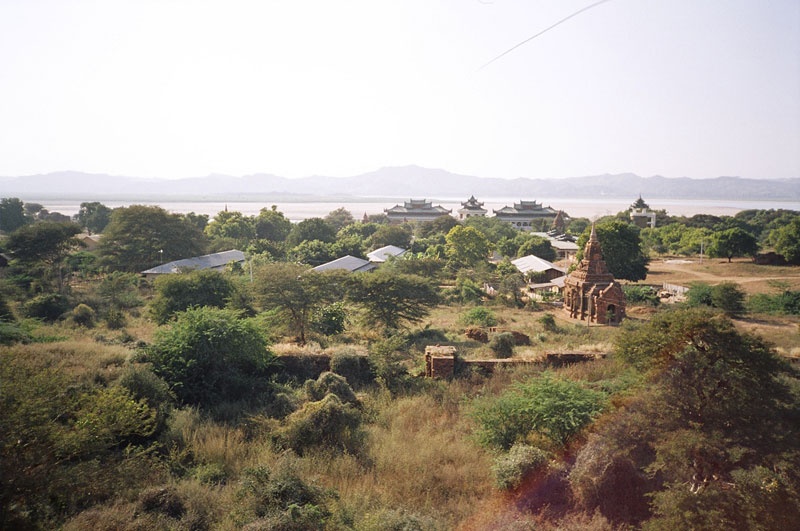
440,362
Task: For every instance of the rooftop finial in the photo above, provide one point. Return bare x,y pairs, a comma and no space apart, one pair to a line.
593,235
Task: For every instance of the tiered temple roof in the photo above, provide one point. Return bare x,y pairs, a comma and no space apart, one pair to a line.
471,207
415,210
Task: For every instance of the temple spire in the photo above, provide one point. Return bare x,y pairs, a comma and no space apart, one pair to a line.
593,235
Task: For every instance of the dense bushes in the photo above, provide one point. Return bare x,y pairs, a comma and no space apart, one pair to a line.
328,423
725,296
510,469
554,408
48,307
209,354
479,316
502,345
176,293
784,303
642,295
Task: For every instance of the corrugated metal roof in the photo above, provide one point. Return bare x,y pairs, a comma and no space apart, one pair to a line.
534,263
348,263
380,255
207,261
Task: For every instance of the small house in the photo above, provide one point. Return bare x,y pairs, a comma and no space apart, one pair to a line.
379,256
215,261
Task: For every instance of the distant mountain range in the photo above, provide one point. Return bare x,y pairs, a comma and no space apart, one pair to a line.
391,182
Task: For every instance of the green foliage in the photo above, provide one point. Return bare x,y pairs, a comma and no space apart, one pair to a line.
136,236
83,315
360,230
295,291
232,225
785,303
719,415
311,229
94,217
209,354
115,319
312,252
120,290
440,225
11,332
6,314
622,249
353,367
45,242
554,408
330,383
12,214
502,345
339,218
327,423
178,292
699,294
493,228
274,492
510,469
392,299
479,316
394,520
387,358
728,298
786,240
271,225
396,235
144,386
548,322
330,320
48,307
537,246
733,242
641,295
466,246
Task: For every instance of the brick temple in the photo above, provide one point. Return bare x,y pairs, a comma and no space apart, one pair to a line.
590,292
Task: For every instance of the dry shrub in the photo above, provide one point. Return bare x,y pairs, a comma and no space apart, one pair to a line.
592,371
219,444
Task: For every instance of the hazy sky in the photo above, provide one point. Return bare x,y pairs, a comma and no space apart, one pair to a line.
176,88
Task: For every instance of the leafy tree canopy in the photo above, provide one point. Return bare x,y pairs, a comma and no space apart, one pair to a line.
46,242
272,225
440,225
311,229
733,242
466,246
787,240
361,230
232,225
12,214
313,252
537,246
622,249
210,354
392,299
492,228
94,217
397,235
136,235
178,292
339,218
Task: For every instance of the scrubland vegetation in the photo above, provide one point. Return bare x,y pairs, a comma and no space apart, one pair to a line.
197,402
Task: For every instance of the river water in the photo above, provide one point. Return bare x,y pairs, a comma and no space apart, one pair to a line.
297,211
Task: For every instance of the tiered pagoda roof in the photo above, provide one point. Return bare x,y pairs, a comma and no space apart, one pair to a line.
417,206
526,209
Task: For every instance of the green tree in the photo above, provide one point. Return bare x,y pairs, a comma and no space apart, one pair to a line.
396,235
179,292
232,225
537,246
136,236
313,252
198,220
493,228
719,414
622,249
12,214
42,248
272,225
728,298
732,242
360,230
296,291
94,217
786,240
339,218
311,229
440,225
211,354
466,246
120,290
392,299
